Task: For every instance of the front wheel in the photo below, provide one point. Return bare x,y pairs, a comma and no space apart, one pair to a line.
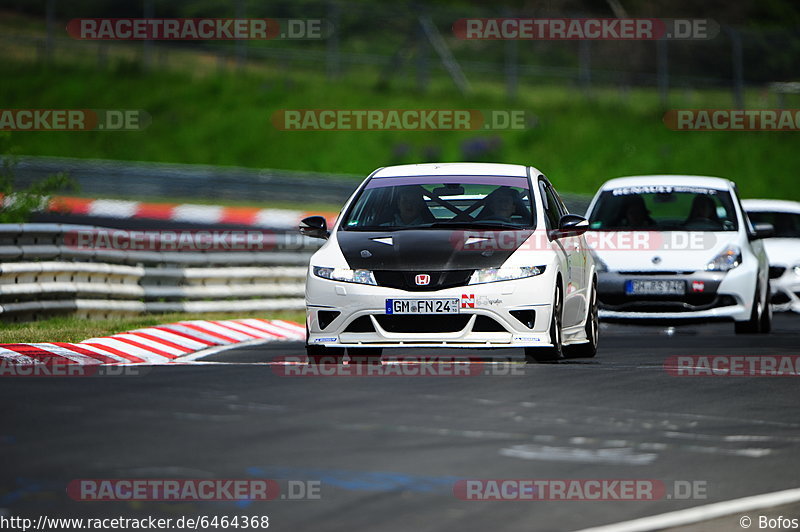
318,354
556,351
766,316
365,355
589,349
754,324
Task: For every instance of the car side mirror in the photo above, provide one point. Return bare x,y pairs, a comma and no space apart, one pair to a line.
572,225
315,227
763,230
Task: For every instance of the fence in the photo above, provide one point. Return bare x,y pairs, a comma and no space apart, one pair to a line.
43,274
414,44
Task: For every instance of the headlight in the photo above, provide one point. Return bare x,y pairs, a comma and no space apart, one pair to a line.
730,258
796,270
490,275
345,275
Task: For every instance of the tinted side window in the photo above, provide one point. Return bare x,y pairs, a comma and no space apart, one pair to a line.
747,223
552,209
561,205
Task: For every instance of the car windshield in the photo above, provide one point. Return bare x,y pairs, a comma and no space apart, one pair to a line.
397,203
786,224
664,208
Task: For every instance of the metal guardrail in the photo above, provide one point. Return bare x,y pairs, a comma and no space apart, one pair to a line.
100,178
106,178
43,273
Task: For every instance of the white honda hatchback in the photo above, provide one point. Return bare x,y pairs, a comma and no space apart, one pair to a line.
679,248
457,255
783,248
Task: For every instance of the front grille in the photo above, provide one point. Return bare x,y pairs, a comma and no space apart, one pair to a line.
360,325
422,323
486,324
405,280
689,298
685,303
525,317
325,317
779,298
656,272
776,271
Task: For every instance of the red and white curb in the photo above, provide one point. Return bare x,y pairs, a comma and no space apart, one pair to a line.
188,213
163,344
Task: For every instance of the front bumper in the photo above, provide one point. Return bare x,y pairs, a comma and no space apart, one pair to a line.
487,315
709,296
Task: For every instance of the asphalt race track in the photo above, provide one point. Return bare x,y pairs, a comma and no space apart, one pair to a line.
387,451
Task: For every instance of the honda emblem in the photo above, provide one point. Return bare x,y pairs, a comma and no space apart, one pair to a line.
422,279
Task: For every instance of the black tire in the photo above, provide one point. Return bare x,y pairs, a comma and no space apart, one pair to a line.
753,325
365,355
589,349
766,316
556,351
318,354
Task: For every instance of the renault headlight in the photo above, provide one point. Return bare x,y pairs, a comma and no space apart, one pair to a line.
730,258
796,270
345,275
490,275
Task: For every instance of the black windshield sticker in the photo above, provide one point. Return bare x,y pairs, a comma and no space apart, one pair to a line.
662,189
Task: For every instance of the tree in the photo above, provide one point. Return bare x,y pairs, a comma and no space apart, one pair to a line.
18,204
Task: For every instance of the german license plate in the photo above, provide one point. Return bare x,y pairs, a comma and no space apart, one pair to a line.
423,306
655,287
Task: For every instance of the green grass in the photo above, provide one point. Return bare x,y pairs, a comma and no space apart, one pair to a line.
71,329
578,141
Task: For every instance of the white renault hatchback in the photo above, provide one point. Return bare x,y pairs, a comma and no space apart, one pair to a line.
783,248
679,248
457,255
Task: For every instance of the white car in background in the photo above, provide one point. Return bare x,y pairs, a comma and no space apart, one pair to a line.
679,248
456,255
783,248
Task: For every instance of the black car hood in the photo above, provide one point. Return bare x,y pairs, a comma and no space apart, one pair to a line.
429,249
